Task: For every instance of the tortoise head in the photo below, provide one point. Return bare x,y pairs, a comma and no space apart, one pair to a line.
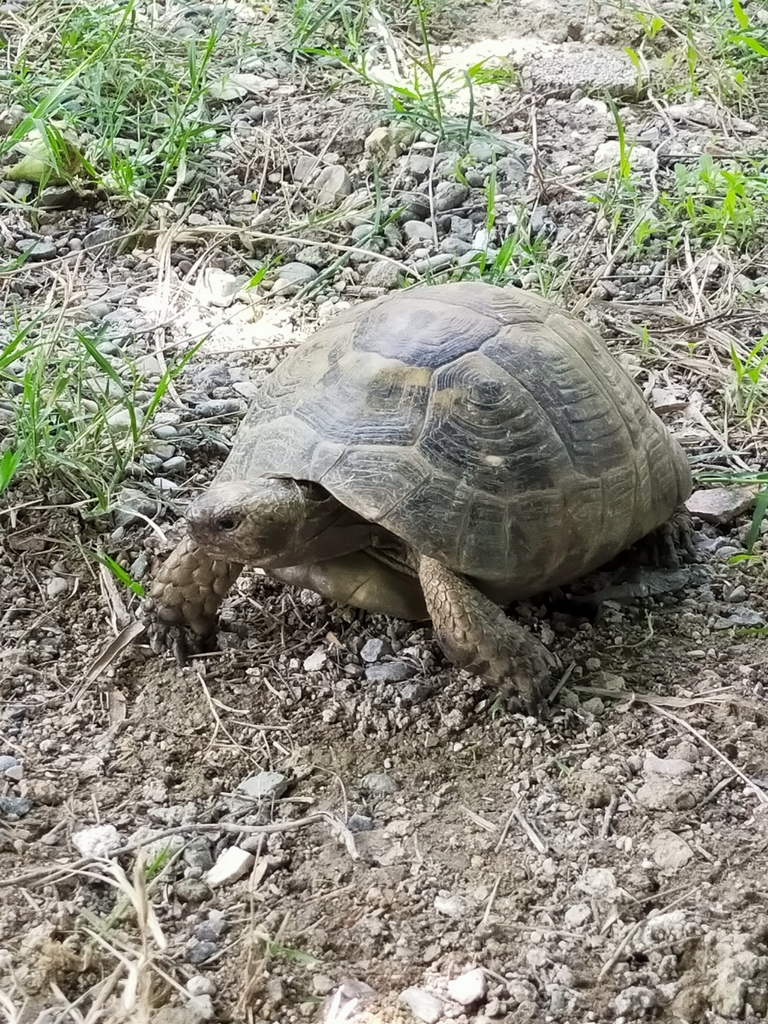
268,522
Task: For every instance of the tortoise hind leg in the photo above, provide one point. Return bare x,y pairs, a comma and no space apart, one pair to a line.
667,543
476,635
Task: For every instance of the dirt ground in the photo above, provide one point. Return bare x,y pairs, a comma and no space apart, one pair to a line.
413,846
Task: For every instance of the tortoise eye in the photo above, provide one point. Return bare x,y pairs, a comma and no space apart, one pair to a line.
227,523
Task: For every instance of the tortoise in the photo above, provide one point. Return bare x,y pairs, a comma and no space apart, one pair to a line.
436,453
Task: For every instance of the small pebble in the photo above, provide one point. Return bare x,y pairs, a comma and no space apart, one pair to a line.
97,841
469,988
231,864
379,783
14,807
423,1005
390,672
315,661
373,649
261,786
213,928
7,761
198,985
201,951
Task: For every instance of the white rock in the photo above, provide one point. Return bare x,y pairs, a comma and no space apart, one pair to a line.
670,852
98,841
231,864
664,928
202,1005
469,988
450,906
665,794
422,1004
670,767
261,786
216,287
200,986
598,881
608,155
720,504
333,184
578,915
315,661
56,587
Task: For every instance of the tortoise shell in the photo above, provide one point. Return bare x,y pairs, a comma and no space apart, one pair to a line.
485,427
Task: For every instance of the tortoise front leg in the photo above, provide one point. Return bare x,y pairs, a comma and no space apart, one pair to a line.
476,635
187,593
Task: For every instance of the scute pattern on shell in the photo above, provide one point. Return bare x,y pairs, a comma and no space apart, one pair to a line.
486,427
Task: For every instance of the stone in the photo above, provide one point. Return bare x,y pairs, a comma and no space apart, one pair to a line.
419,164
315,661
191,890
720,504
511,169
216,287
230,865
304,167
671,767
469,988
608,155
423,1005
202,1006
37,249
108,237
635,1000
333,184
449,196
199,952
260,786
664,794
740,980
131,506
14,807
359,823
390,672
7,761
56,587
199,985
379,783
577,915
670,851
292,277
97,841
387,142
213,927
450,906
417,231
373,649
383,274
598,882
746,618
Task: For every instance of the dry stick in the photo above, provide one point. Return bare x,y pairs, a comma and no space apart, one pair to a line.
529,830
610,811
490,902
762,798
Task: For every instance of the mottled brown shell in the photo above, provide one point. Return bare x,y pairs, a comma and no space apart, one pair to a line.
486,427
